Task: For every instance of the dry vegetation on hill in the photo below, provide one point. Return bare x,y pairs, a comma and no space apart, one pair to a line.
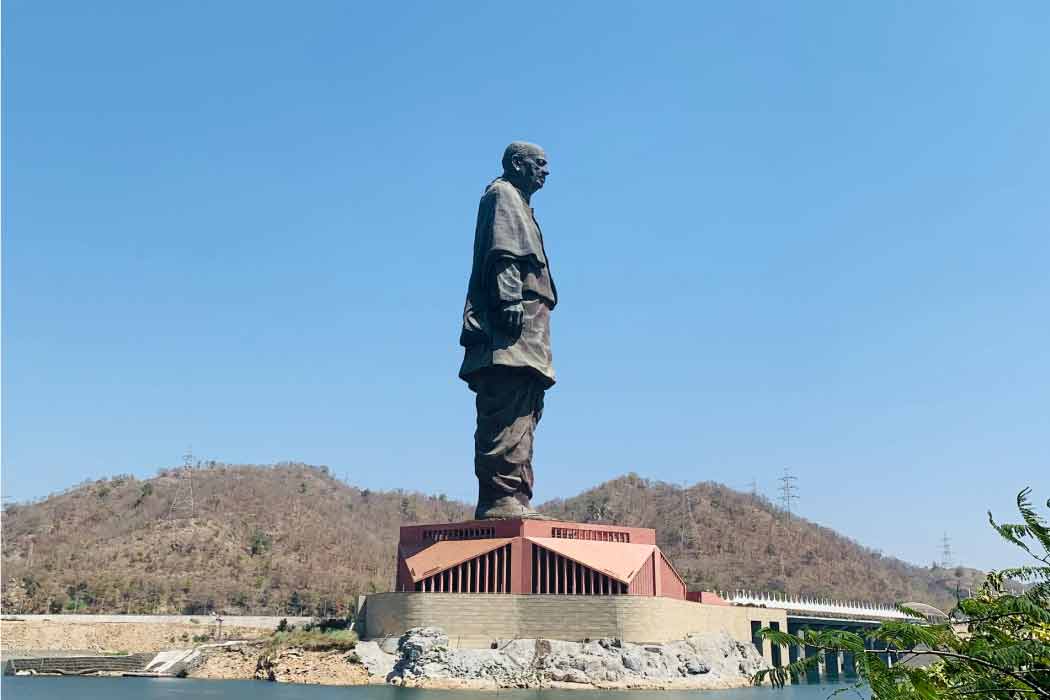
275,540
292,539
721,539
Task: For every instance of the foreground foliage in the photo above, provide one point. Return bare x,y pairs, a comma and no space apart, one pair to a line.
995,645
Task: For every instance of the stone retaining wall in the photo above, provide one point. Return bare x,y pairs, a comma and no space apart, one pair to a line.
476,620
130,633
251,621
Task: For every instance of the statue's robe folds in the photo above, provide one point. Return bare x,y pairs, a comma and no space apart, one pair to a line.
509,373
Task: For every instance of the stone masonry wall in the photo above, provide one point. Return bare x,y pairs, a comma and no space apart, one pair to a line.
476,620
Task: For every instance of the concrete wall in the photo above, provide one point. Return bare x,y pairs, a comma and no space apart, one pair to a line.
253,622
475,620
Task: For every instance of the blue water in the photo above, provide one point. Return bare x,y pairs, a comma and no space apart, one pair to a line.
60,688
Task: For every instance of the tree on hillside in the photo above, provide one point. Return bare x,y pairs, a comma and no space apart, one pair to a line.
995,645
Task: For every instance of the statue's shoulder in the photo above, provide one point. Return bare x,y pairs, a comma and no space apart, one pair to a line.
498,189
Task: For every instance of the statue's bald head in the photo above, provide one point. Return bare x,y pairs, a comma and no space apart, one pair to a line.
525,165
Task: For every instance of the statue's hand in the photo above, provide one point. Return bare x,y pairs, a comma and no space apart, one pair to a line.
512,317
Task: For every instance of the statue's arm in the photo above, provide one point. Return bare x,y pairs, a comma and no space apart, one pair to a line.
506,292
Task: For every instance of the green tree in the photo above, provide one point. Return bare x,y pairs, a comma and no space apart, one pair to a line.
995,645
259,542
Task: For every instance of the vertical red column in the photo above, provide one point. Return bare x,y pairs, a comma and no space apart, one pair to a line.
523,560
497,583
506,569
517,559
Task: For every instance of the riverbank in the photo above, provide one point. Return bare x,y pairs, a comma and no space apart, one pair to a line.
104,634
422,658
254,661
202,689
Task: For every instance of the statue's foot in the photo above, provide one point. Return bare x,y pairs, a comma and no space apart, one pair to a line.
506,507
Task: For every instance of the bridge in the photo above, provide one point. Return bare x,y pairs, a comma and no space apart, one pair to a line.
823,614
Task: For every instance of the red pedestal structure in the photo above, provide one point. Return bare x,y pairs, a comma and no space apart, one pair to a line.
543,557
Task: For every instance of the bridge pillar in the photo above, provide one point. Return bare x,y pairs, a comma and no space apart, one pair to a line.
756,638
831,664
879,648
812,673
792,658
776,651
849,663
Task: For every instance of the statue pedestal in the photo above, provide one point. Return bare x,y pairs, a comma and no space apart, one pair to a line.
483,581
541,557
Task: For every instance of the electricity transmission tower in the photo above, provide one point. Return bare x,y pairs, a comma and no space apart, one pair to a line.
182,505
688,509
753,485
788,490
946,552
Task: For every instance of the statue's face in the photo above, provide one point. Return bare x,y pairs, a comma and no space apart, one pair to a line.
532,169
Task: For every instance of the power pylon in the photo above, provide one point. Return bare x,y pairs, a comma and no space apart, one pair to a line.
753,485
788,490
182,505
946,552
688,511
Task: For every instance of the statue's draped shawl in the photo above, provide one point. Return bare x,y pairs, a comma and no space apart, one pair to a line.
506,228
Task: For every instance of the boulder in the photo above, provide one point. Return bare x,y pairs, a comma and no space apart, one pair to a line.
375,660
424,656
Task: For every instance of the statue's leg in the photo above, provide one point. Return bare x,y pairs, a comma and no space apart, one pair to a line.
509,402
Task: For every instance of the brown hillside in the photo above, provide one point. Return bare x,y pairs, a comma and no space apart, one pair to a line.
720,539
284,539
292,539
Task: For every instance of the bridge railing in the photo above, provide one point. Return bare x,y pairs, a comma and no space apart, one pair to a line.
817,606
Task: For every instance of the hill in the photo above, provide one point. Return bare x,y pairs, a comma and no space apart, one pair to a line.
293,539
721,539
284,539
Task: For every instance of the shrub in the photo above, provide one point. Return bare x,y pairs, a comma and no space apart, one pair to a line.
312,640
259,543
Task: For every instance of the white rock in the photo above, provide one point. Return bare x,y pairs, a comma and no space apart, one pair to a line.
376,661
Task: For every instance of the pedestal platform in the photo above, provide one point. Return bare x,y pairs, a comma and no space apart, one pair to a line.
487,580
542,557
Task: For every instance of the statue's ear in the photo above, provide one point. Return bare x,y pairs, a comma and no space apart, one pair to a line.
515,160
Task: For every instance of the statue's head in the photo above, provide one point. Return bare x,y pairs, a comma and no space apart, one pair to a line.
525,165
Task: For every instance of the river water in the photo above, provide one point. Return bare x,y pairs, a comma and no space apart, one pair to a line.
59,688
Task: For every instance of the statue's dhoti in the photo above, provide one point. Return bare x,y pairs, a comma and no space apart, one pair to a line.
510,404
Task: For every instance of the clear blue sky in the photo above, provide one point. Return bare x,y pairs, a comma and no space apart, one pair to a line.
812,235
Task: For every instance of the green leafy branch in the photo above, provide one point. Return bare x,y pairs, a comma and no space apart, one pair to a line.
995,645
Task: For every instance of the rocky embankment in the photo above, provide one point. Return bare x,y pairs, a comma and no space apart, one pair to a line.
423,658
251,660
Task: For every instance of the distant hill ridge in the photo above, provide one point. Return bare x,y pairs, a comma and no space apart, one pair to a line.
292,539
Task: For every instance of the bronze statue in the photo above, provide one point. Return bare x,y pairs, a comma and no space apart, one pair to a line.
506,333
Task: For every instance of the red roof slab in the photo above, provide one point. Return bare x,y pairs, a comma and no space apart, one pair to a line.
615,559
449,553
